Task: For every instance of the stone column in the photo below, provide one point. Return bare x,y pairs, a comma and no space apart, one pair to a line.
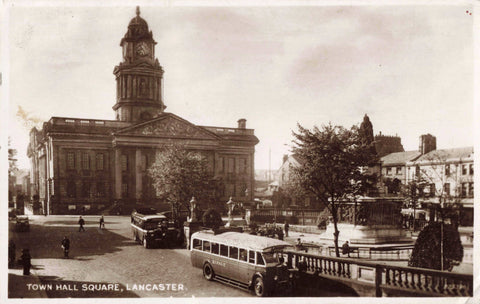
118,174
138,174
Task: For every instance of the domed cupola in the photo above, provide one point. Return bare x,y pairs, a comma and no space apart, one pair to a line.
137,29
139,77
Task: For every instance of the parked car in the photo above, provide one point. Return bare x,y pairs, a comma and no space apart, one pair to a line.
22,223
12,214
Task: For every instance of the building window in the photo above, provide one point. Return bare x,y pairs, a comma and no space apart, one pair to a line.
471,169
464,190
231,165
399,170
85,161
446,188
389,170
100,161
464,169
221,164
124,190
71,188
417,171
85,189
70,160
242,165
100,189
124,162
470,190
447,170
124,186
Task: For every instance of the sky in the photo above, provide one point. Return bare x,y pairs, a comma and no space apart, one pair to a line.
408,67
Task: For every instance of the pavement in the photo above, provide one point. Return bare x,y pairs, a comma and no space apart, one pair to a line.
27,285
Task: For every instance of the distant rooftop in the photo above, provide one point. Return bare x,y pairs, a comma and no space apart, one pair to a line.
399,158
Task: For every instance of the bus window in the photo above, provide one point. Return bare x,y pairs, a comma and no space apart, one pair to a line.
197,244
233,252
224,250
206,246
251,257
243,255
215,247
260,259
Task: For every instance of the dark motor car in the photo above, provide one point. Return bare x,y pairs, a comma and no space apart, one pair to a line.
22,223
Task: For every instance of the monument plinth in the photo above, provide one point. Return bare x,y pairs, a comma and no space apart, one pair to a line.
369,221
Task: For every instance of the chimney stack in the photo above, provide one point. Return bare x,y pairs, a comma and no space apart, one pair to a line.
242,123
428,143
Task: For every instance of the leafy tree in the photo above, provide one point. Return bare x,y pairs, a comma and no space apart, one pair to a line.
428,247
334,166
178,175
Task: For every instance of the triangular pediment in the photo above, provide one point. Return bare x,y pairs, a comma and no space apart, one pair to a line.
168,125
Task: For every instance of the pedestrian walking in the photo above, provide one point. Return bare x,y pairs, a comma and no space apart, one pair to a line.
11,254
286,227
81,222
346,249
102,223
26,261
65,246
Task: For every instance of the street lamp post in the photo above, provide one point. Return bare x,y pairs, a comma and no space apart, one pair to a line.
193,206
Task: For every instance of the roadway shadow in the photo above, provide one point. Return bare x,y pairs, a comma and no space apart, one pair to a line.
314,286
55,287
44,241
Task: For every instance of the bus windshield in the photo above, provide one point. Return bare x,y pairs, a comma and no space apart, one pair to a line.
152,224
271,257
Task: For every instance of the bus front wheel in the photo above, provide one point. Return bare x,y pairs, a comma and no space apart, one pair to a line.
259,287
208,272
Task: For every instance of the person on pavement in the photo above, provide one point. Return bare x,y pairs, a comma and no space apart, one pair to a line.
26,261
286,227
102,223
11,254
65,246
81,222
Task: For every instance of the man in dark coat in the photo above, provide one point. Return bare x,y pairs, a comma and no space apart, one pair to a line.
286,227
102,223
11,254
65,246
81,222
26,261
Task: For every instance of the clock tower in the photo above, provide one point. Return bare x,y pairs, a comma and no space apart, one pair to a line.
139,76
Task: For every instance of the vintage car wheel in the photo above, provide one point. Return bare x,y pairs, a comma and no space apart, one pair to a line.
259,287
208,272
145,243
135,239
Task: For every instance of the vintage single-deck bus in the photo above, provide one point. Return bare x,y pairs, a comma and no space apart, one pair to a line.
242,260
149,229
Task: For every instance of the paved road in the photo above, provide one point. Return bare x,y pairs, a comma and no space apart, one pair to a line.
106,256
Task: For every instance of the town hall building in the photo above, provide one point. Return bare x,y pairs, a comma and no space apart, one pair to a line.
80,164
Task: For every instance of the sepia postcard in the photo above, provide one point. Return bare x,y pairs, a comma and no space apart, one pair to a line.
190,151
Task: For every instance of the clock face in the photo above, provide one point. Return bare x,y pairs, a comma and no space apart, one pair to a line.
143,49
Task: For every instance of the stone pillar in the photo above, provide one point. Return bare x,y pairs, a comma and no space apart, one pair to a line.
138,174
118,174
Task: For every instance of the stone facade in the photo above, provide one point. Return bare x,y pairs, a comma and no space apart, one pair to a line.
86,165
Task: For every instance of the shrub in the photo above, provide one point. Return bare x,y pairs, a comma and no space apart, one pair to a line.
426,253
212,219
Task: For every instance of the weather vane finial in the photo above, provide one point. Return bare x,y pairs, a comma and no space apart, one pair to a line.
138,10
